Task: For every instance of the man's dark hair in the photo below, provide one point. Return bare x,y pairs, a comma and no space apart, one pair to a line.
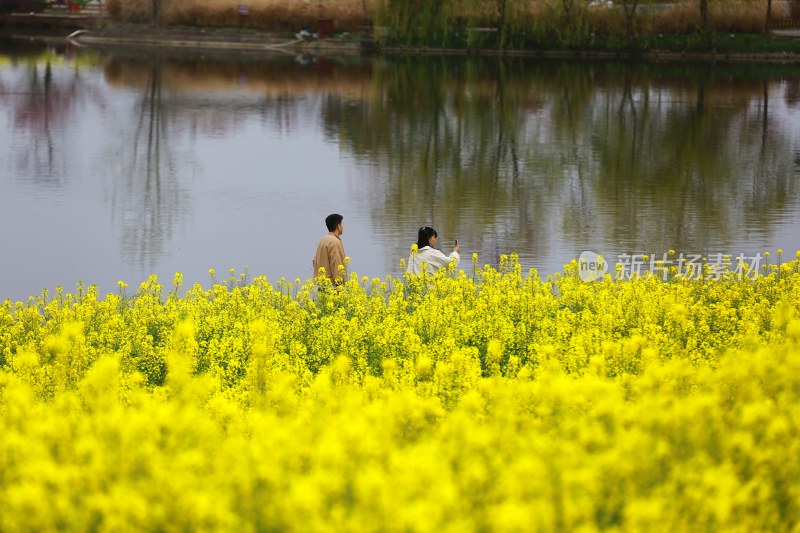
424,237
331,221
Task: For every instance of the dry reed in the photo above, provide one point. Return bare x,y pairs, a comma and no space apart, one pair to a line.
278,15
735,16
739,16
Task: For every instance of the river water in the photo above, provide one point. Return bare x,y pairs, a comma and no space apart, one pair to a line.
119,165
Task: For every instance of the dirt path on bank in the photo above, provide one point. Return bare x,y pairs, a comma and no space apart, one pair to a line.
206,39
795,34
232,40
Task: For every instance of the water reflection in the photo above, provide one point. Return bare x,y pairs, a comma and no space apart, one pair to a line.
42,105
539,157
184,103
203,162
147,201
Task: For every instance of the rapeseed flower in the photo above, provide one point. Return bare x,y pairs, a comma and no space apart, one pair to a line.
458,402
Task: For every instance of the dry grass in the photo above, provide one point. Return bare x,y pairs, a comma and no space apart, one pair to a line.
735,16
738,16
682,18
279,15
745,16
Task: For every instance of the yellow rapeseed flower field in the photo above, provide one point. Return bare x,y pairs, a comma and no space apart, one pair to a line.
474,400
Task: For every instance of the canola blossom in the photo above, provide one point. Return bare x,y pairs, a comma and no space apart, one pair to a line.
462,401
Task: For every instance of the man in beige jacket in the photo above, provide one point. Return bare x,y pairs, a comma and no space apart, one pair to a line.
330,251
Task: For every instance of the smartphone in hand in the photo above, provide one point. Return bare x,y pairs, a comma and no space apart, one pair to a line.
456,242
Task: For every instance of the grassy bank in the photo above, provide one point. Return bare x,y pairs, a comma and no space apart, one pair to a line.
480,24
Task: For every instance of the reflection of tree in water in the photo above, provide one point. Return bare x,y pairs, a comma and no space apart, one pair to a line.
182,99
212,94
448,147
515,155
676,156
717,165
150,203
43,102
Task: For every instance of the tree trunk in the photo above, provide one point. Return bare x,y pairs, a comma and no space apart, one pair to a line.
156,12
629,8
704,15
769,16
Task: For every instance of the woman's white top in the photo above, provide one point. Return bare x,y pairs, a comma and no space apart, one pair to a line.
432,257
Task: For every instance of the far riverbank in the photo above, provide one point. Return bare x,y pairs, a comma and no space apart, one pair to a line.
784,44
95,29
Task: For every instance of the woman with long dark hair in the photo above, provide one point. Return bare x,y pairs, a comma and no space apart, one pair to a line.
426,257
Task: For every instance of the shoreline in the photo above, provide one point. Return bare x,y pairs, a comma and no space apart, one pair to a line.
232,41
199,44
94,31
